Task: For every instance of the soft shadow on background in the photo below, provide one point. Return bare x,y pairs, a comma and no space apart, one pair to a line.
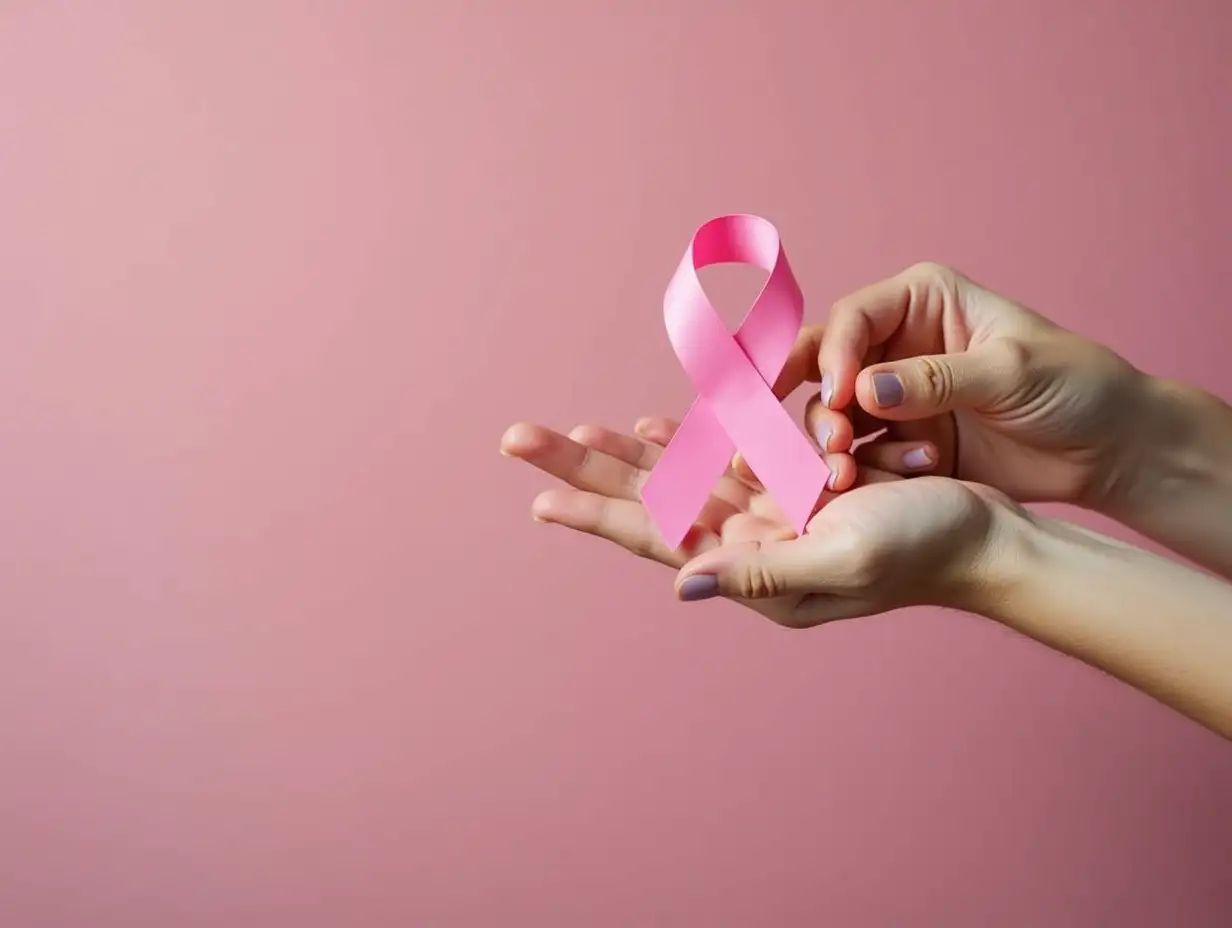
279,642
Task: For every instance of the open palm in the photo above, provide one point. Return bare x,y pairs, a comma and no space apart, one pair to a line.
604,472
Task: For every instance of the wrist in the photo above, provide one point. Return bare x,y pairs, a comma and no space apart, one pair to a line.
1179,449
1013,542
1026,555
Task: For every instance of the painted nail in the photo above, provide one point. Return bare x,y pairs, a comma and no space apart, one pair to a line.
699,586
822,435
827,389
917,459
887,389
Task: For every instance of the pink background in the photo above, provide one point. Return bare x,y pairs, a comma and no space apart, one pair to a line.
279,642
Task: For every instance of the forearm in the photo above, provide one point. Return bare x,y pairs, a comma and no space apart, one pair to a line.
1176,487
1158,626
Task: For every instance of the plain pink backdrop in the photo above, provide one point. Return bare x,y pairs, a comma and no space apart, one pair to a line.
279,642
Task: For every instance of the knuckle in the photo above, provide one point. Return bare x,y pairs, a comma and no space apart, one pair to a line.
927,269
931,272
1012,356
934,285
756,581
938,380
644,547
839,310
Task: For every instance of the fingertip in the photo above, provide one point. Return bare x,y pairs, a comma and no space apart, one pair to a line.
654,430
920,458
519,439
901,457
585,434
842,472
864,396
541,507
697,587
830,429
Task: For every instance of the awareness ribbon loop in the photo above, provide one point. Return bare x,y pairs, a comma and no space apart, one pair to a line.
734,377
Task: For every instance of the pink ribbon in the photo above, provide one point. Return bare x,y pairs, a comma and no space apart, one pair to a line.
734,378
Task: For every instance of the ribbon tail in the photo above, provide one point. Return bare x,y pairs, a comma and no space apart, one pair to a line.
680,483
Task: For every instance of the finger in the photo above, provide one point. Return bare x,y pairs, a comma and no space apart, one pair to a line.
899,457
757,571
843,472
870,475
831,429
656,430
726,499
577,465
627,448
980,379
801,365
868,318
619,521
863,476
760,570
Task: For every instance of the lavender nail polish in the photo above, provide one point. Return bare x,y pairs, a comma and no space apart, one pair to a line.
822,435
699,586
917,459
827,389
887,389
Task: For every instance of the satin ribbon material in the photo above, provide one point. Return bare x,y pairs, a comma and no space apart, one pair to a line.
734,377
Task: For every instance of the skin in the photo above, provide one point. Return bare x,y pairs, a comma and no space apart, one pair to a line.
603,472
994,393
1007,408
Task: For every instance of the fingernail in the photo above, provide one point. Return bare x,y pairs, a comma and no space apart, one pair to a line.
917,458
699,586
827,389
822,435
887,389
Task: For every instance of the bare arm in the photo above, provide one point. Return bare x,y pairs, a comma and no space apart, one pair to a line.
1179,491
1161,627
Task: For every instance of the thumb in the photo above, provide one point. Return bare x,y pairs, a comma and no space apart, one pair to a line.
756,570
917,388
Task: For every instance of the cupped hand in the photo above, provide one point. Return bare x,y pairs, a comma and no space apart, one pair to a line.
885,544
968,384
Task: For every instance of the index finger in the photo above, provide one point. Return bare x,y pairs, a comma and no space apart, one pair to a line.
801,365
865,319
